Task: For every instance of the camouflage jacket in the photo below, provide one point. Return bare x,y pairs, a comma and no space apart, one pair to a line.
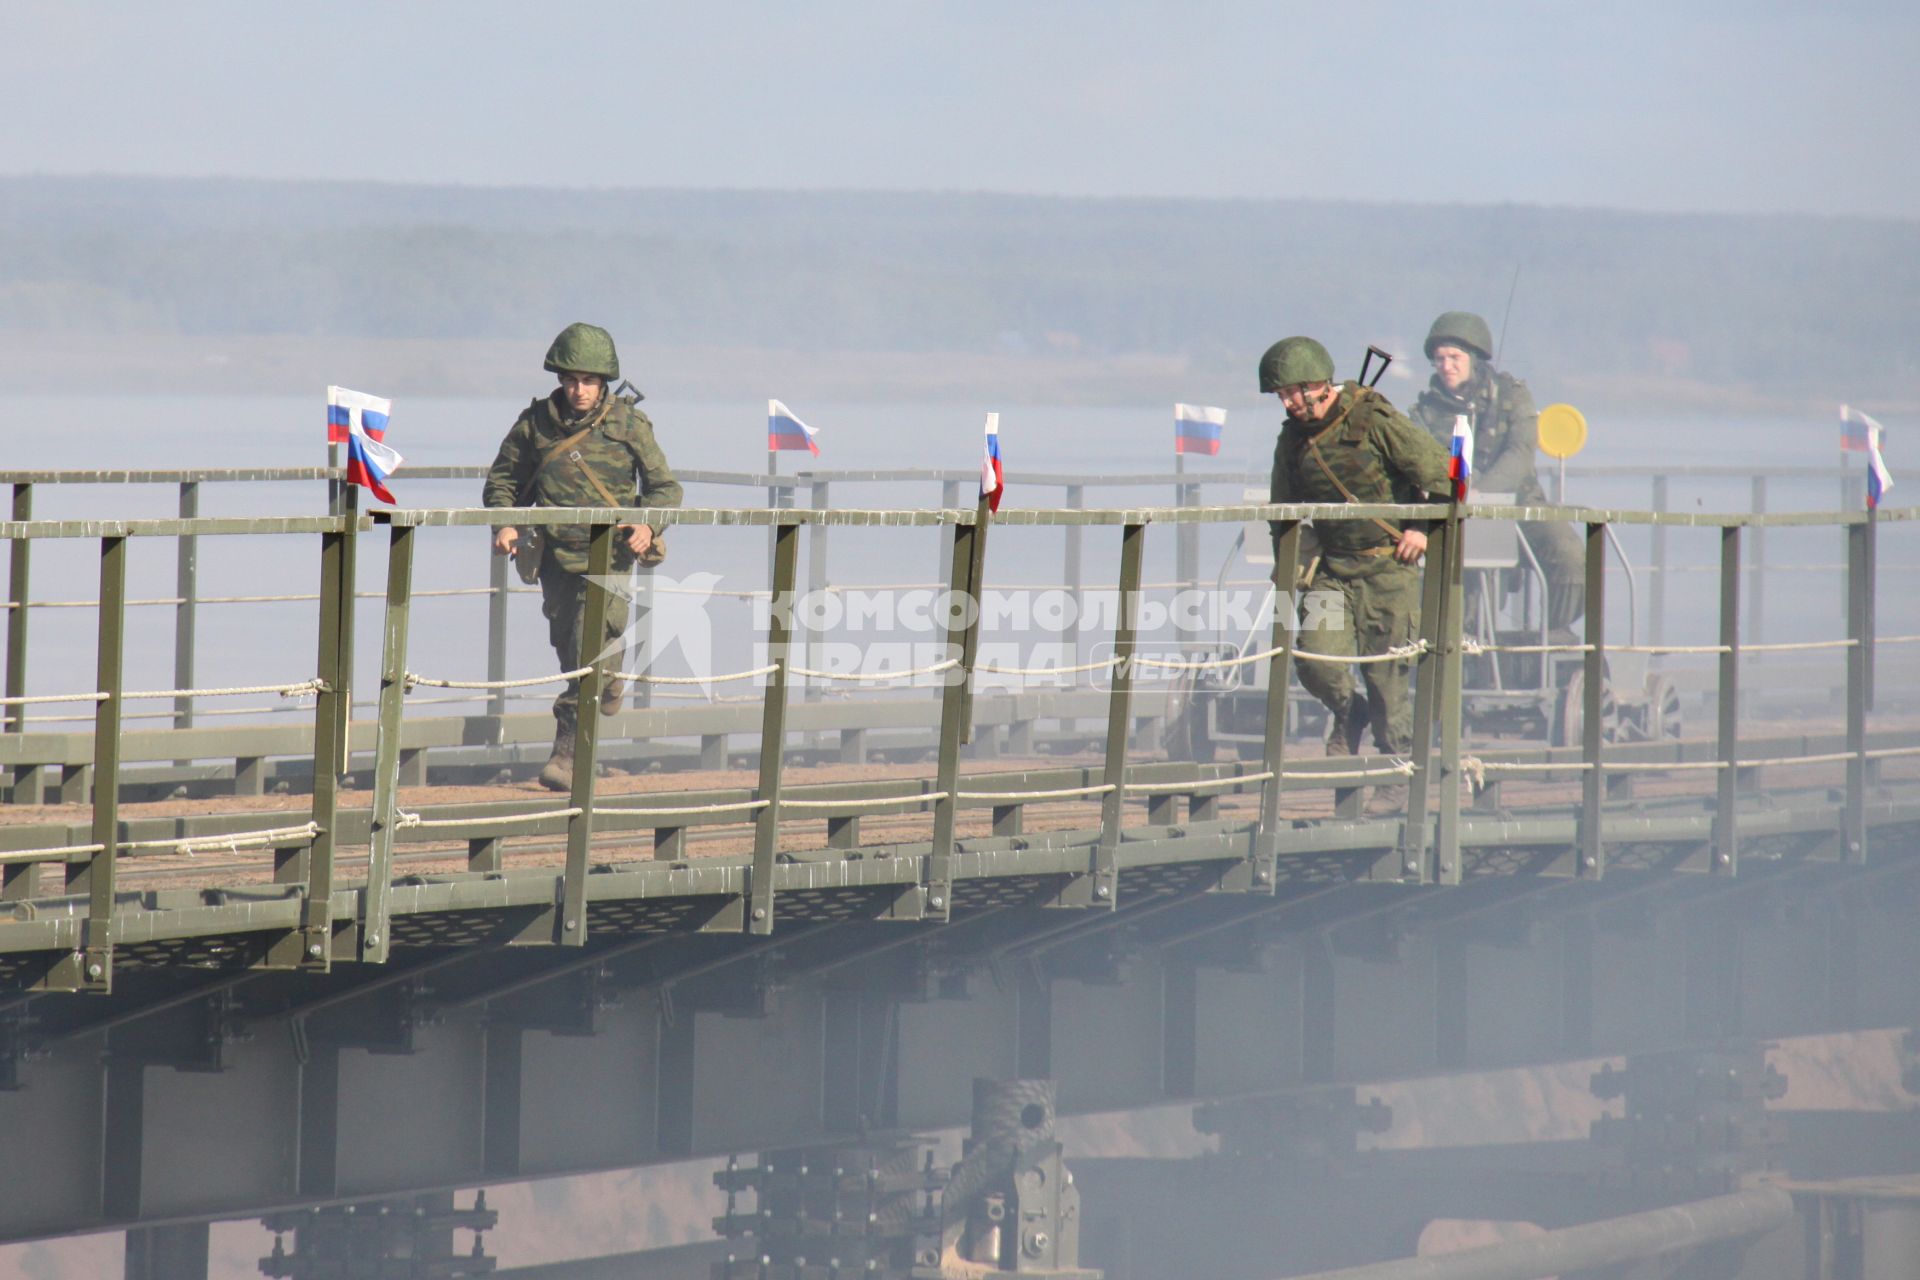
1376,454
618,451
1505,430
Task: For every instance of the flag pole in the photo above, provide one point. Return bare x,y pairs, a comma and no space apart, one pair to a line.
970,638
1873,568
773,503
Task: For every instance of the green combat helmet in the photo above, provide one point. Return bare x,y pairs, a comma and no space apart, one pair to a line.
584,348
1294,360
1461,329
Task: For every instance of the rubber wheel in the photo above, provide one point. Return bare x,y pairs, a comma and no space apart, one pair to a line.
1570,715
1663,710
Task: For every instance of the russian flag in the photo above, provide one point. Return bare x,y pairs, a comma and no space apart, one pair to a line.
786,431
1196,428
369,459
993,479
1854,429
1460,465
1879,479
345,409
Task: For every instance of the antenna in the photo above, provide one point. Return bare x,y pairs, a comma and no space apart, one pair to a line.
1506,315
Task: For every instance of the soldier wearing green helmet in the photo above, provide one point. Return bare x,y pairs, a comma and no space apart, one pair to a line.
1342,443
583,445
1505,447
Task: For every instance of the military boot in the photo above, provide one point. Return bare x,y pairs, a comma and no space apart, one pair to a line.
1388,802
613,691
557,773
1343,738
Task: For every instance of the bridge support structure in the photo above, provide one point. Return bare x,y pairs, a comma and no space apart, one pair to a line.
1696,1121
406,1239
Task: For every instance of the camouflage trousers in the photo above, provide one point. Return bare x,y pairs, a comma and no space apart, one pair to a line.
563,599
1563,560
1355,617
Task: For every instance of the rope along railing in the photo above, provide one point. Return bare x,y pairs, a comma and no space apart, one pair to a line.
1429,766
1479,767
300,689
231,842
1394,653
1475,647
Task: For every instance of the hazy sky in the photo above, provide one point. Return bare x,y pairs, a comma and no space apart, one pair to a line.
1711,105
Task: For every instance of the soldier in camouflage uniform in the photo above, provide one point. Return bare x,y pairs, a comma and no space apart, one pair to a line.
581,446
1505,445
1343,442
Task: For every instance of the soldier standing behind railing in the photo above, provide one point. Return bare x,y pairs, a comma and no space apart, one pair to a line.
581,446
1505,449
1343,442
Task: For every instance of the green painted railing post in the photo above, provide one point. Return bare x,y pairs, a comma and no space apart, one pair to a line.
953,714
497,600
96,878
186,587
1452,658
1286,567
1726,842
331,714
1592,853
639,638
571,928
377,896
1871,626
1859,591
19,559
976,595
1103,887
781,630
1426,701
810,647
1074,577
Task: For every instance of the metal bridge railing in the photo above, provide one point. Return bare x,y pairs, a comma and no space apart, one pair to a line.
1427,849
304,854
1187,489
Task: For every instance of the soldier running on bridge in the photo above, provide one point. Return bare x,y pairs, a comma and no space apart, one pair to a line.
581,446
1343,442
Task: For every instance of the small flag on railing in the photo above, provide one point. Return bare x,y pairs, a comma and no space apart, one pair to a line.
369,459
1460,465
1854,429
786,431
1879,479
346,409
1196,428
993,480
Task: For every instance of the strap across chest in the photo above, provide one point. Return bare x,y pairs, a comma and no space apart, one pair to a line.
549,454
1346,494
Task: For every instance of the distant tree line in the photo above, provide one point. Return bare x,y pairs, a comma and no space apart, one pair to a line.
1758,302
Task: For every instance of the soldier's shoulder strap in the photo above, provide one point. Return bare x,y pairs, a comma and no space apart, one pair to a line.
1313,447
549,454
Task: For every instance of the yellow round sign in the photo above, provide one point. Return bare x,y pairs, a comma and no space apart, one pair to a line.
1563,431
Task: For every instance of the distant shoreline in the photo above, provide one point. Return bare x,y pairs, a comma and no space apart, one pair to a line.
171,364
